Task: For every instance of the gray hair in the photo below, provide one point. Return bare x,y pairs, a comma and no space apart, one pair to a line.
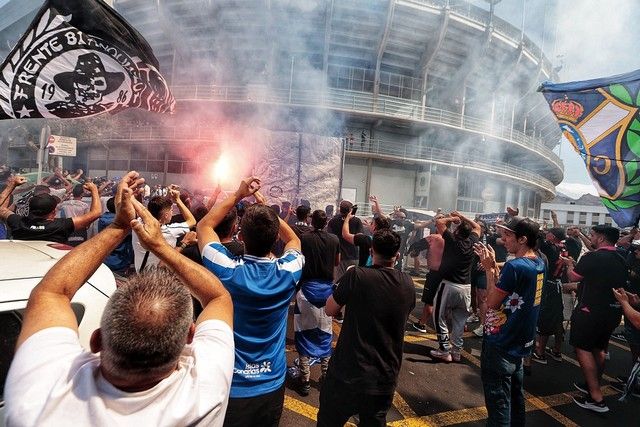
145,324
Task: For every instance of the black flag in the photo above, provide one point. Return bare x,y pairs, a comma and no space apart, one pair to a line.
80,58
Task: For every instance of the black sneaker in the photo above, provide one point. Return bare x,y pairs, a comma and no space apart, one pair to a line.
539,358
587,402
305,388
619,337
557,356
339,318
419,327
582,387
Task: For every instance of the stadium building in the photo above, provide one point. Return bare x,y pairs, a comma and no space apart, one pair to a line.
424,103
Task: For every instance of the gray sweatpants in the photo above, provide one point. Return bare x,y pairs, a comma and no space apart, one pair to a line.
452,300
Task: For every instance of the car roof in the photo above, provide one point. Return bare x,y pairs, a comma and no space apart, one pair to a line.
24,263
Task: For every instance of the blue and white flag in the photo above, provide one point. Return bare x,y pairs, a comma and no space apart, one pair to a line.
600,119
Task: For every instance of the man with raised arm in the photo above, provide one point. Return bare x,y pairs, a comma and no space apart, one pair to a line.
261,287
453,295
154,367
42,224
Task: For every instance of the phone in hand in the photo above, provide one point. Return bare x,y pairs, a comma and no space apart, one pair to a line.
354,209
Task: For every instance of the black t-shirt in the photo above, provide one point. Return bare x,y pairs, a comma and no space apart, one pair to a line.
363,242
320,250
193,252
403,227
601,271
378,301
34,228
300,228
457,257
574,246
500,250
552,252
235,247
347,250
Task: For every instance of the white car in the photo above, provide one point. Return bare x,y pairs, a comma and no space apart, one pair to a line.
22,265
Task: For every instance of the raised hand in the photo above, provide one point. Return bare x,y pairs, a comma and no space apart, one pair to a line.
260,199
248,187
18,180
148,230
128,186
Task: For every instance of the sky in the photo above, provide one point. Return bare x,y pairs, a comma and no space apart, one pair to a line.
594,38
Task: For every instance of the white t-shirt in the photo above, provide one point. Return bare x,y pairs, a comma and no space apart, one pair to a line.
53,381
170,232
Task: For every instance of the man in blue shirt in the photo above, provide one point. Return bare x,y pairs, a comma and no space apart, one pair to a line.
513,302
261,287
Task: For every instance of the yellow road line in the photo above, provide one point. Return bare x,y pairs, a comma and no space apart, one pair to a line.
479,413
299,407
402,406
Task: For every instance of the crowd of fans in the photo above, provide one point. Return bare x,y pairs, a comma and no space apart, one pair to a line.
163,357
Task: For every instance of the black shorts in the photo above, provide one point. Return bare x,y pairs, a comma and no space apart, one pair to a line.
591,331
264,410
431,283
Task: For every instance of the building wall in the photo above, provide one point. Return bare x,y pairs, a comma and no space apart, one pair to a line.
579,215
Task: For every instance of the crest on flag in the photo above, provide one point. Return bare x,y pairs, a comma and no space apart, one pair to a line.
600,119
79,58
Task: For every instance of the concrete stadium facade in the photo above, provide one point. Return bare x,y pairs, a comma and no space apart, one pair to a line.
432,101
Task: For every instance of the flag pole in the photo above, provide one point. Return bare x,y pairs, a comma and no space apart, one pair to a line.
45,132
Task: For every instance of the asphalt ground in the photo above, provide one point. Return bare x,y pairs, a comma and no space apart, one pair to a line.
430,393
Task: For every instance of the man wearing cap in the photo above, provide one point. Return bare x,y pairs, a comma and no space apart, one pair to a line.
597,313
42,224
551,308
513,302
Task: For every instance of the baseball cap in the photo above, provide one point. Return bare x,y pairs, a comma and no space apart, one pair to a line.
521,227
42,204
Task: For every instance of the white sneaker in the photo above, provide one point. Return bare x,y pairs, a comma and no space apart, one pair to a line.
479,331
473,318
445,356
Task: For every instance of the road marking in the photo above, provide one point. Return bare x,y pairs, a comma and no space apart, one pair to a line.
402,406
479,413
531,399
304,409
299,407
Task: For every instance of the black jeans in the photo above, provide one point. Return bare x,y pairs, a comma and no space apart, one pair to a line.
264,410
339,401
502,377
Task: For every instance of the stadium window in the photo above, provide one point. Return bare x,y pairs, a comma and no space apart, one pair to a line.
138,165
119,165
570,215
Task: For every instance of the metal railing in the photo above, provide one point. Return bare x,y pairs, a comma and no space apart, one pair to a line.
453,158
365,102
481,16
381,147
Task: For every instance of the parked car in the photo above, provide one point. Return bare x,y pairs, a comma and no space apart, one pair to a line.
22,265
